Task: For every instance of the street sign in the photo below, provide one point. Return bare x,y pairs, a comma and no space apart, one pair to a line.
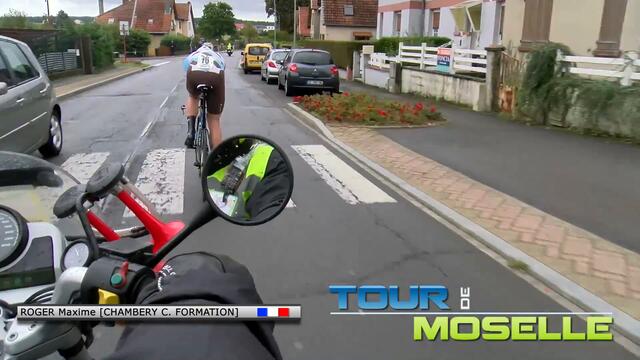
367,49
124,28
444,60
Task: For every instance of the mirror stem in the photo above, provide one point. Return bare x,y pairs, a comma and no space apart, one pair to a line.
204,215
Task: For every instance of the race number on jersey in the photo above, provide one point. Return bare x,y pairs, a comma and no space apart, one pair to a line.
206,62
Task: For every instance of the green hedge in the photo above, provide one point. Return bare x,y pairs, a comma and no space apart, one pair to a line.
180,41
137,42
104,40
341,51
390,45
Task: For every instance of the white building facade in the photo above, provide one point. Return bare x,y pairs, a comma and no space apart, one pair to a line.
469,23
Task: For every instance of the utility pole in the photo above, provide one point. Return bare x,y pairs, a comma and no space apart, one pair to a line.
295,30
275,23
48,13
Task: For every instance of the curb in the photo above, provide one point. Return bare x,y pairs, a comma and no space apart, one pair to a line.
100,83
624,323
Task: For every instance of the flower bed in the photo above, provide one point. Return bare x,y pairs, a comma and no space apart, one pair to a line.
363,109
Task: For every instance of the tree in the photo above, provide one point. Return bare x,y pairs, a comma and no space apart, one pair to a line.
284,12
14,19
63,21
217,20
249,33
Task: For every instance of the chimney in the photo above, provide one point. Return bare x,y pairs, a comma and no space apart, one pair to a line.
101,6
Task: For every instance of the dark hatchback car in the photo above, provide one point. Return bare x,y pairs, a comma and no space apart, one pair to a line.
308,69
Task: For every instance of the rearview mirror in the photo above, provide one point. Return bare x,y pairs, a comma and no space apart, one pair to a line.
4,88
247,180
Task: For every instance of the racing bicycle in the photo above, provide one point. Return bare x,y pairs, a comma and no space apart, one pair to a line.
201,140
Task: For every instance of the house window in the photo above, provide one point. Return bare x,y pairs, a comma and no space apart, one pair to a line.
397,22
435,22
611,28
537,23
150,21
348,10
111,20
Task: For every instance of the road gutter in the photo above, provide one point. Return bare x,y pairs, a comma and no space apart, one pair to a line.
624,323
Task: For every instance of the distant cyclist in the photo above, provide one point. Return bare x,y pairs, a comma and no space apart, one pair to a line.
205,66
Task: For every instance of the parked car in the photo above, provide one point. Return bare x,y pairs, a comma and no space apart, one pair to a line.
308,69
253,56
30,116
272,64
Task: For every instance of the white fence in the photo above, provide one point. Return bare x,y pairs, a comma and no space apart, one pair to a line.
423,56
625,69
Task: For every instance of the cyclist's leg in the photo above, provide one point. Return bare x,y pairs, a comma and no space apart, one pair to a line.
191,108
215,106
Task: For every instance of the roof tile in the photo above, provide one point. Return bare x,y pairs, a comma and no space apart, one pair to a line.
364,13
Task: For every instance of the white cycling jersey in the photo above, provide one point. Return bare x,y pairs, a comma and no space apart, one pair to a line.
204,59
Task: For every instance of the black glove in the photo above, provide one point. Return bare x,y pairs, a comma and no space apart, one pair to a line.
199,279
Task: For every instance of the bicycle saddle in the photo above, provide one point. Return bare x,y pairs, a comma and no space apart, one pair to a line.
65,206
103,180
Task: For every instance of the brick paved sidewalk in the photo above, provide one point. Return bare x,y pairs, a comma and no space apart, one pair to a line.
603,268
71,85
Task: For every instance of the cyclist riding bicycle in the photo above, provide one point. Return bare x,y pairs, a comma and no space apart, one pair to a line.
229,47
205,67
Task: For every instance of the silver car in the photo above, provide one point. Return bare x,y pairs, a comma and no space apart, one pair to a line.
271,65
30,117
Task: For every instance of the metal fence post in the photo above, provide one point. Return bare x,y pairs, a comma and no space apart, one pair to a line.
559,58
629,59
423,52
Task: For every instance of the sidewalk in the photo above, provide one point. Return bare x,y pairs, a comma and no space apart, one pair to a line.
72,85
600,266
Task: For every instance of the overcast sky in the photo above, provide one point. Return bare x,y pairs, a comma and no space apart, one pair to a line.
243,9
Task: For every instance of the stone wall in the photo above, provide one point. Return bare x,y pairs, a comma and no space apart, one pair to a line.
459,89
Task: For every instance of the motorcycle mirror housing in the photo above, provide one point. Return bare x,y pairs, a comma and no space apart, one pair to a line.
247,180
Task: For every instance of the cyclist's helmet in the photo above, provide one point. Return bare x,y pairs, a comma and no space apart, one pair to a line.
209,45
215,48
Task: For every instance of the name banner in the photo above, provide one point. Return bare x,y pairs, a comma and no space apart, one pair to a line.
158,312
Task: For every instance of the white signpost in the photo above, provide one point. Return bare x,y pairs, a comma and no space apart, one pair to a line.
124,31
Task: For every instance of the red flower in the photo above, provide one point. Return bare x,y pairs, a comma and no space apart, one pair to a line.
382,112
419,106
433,109
297,99
346,93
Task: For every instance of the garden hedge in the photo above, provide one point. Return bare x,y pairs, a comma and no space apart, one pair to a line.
341,51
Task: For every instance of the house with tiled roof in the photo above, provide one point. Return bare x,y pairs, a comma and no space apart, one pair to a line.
184,15
343,19
157,17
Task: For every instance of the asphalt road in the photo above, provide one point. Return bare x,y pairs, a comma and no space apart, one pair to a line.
323,240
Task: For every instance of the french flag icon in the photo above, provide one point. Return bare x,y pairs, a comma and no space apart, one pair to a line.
273,311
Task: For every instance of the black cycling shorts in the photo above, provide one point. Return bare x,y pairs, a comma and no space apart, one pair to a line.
215,82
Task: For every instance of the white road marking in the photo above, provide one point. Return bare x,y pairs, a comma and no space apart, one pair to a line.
161,180
160,64
83,165
291,204
346,182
